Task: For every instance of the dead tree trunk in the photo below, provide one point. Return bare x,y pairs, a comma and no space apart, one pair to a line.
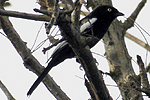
121,69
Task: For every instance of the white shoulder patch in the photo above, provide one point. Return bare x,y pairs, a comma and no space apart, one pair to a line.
61,44
87,24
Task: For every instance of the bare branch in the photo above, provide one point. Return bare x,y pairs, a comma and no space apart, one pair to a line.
5,90
77,42
148,68
24,15
65,4
54,17
131,19
90,89
75,16
46,4
145,90
143,75
138,41
29,60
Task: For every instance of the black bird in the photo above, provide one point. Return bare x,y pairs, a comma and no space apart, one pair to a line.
98,23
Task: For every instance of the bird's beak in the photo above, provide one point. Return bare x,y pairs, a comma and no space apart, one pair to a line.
119,14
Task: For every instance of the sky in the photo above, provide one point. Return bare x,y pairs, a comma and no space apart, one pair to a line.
67,75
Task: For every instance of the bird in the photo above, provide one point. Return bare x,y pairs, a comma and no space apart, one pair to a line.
97,25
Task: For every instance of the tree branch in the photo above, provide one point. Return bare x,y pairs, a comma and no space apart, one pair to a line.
148,68
71,33
138,41
121,71
145,90
131,19
143,75
66,3
24,15
90,89
54,16
75,16
5,90
29,60
46,4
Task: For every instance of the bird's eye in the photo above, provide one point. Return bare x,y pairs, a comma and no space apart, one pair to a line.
109,9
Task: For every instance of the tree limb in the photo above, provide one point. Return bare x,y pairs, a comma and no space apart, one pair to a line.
138,41
71,33
90,89
5,90
131,19
65,4
148,68
24,15
144,90
54,16
75,16
121,71
46,4
29,60
143,75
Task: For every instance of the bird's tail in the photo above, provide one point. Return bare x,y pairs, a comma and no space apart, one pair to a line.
40,78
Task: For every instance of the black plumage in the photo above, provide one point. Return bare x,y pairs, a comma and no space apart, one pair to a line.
98,23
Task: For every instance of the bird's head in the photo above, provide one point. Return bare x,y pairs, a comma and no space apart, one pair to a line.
106,12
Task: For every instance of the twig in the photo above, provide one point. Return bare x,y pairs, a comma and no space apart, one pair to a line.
148,68
45,49
130,20
138,41
5,90
145,90
143,75
75,16
48,13
106,73
54,17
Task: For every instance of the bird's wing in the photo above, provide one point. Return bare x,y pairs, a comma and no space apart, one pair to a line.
59,47
88,24
84,27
